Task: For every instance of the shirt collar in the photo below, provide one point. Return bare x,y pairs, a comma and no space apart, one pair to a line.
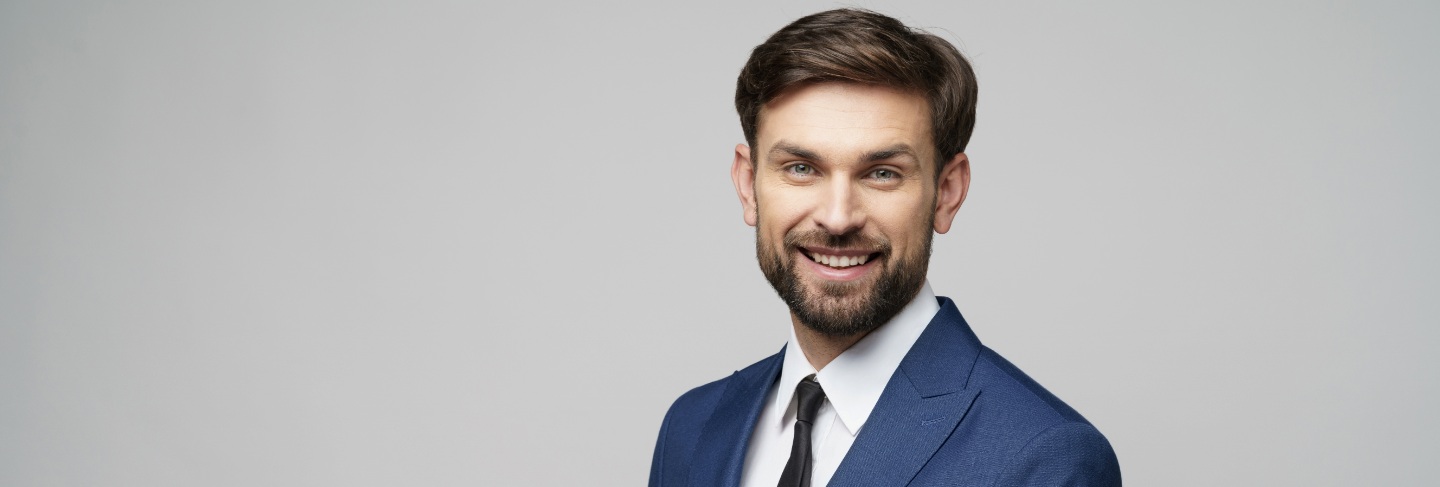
854,381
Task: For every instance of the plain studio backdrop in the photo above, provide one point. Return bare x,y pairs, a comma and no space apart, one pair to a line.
449,243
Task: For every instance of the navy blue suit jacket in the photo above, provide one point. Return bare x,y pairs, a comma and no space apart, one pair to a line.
954,413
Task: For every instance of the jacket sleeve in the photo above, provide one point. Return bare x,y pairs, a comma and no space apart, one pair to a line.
1067,454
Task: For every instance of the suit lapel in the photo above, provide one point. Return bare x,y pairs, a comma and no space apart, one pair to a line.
720,453
921,406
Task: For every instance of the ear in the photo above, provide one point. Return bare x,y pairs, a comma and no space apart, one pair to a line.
742,173
950,192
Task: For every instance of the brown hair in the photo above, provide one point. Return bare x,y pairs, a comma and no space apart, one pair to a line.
860,46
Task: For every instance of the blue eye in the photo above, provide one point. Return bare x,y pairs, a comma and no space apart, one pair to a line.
884,174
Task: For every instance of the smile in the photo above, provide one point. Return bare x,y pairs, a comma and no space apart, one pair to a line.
838,261
840,264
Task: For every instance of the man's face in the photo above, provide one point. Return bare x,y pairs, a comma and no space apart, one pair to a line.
843,198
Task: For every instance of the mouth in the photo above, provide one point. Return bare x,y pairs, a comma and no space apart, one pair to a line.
840,264
838,261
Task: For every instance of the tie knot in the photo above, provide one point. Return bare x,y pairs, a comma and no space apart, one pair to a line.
810,397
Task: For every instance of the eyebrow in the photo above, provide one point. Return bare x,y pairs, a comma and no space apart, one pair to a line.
890,153
783,147
902,149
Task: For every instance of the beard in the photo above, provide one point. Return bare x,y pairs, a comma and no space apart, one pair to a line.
842,309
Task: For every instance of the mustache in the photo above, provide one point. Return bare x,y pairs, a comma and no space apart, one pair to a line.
847,241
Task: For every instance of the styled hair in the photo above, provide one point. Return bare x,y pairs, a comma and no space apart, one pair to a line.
864,47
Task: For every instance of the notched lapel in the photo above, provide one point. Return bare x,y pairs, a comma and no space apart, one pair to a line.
921,406
901,435
720,452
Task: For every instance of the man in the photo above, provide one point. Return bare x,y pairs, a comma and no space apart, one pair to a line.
855,129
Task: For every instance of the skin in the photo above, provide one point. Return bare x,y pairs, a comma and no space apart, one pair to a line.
843,158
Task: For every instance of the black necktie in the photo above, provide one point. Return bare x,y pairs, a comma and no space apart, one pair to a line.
797,470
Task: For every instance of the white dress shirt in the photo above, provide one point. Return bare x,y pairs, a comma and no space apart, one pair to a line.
852,383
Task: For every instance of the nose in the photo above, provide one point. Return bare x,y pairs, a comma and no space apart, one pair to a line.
840,211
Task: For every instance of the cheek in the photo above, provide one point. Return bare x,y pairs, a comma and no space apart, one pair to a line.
908,223
772,221
782,208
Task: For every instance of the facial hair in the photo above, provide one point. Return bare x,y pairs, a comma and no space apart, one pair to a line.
842,309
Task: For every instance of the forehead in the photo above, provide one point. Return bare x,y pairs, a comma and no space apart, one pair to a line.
845,118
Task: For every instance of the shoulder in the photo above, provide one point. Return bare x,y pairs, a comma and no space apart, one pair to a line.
680,431
697,404
684,423
1003,381
1067,453
1042,440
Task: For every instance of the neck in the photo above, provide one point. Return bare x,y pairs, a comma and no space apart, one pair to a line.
821,349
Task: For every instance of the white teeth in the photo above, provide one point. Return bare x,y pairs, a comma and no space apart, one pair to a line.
839,260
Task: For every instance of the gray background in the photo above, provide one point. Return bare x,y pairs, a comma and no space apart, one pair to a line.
447,243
